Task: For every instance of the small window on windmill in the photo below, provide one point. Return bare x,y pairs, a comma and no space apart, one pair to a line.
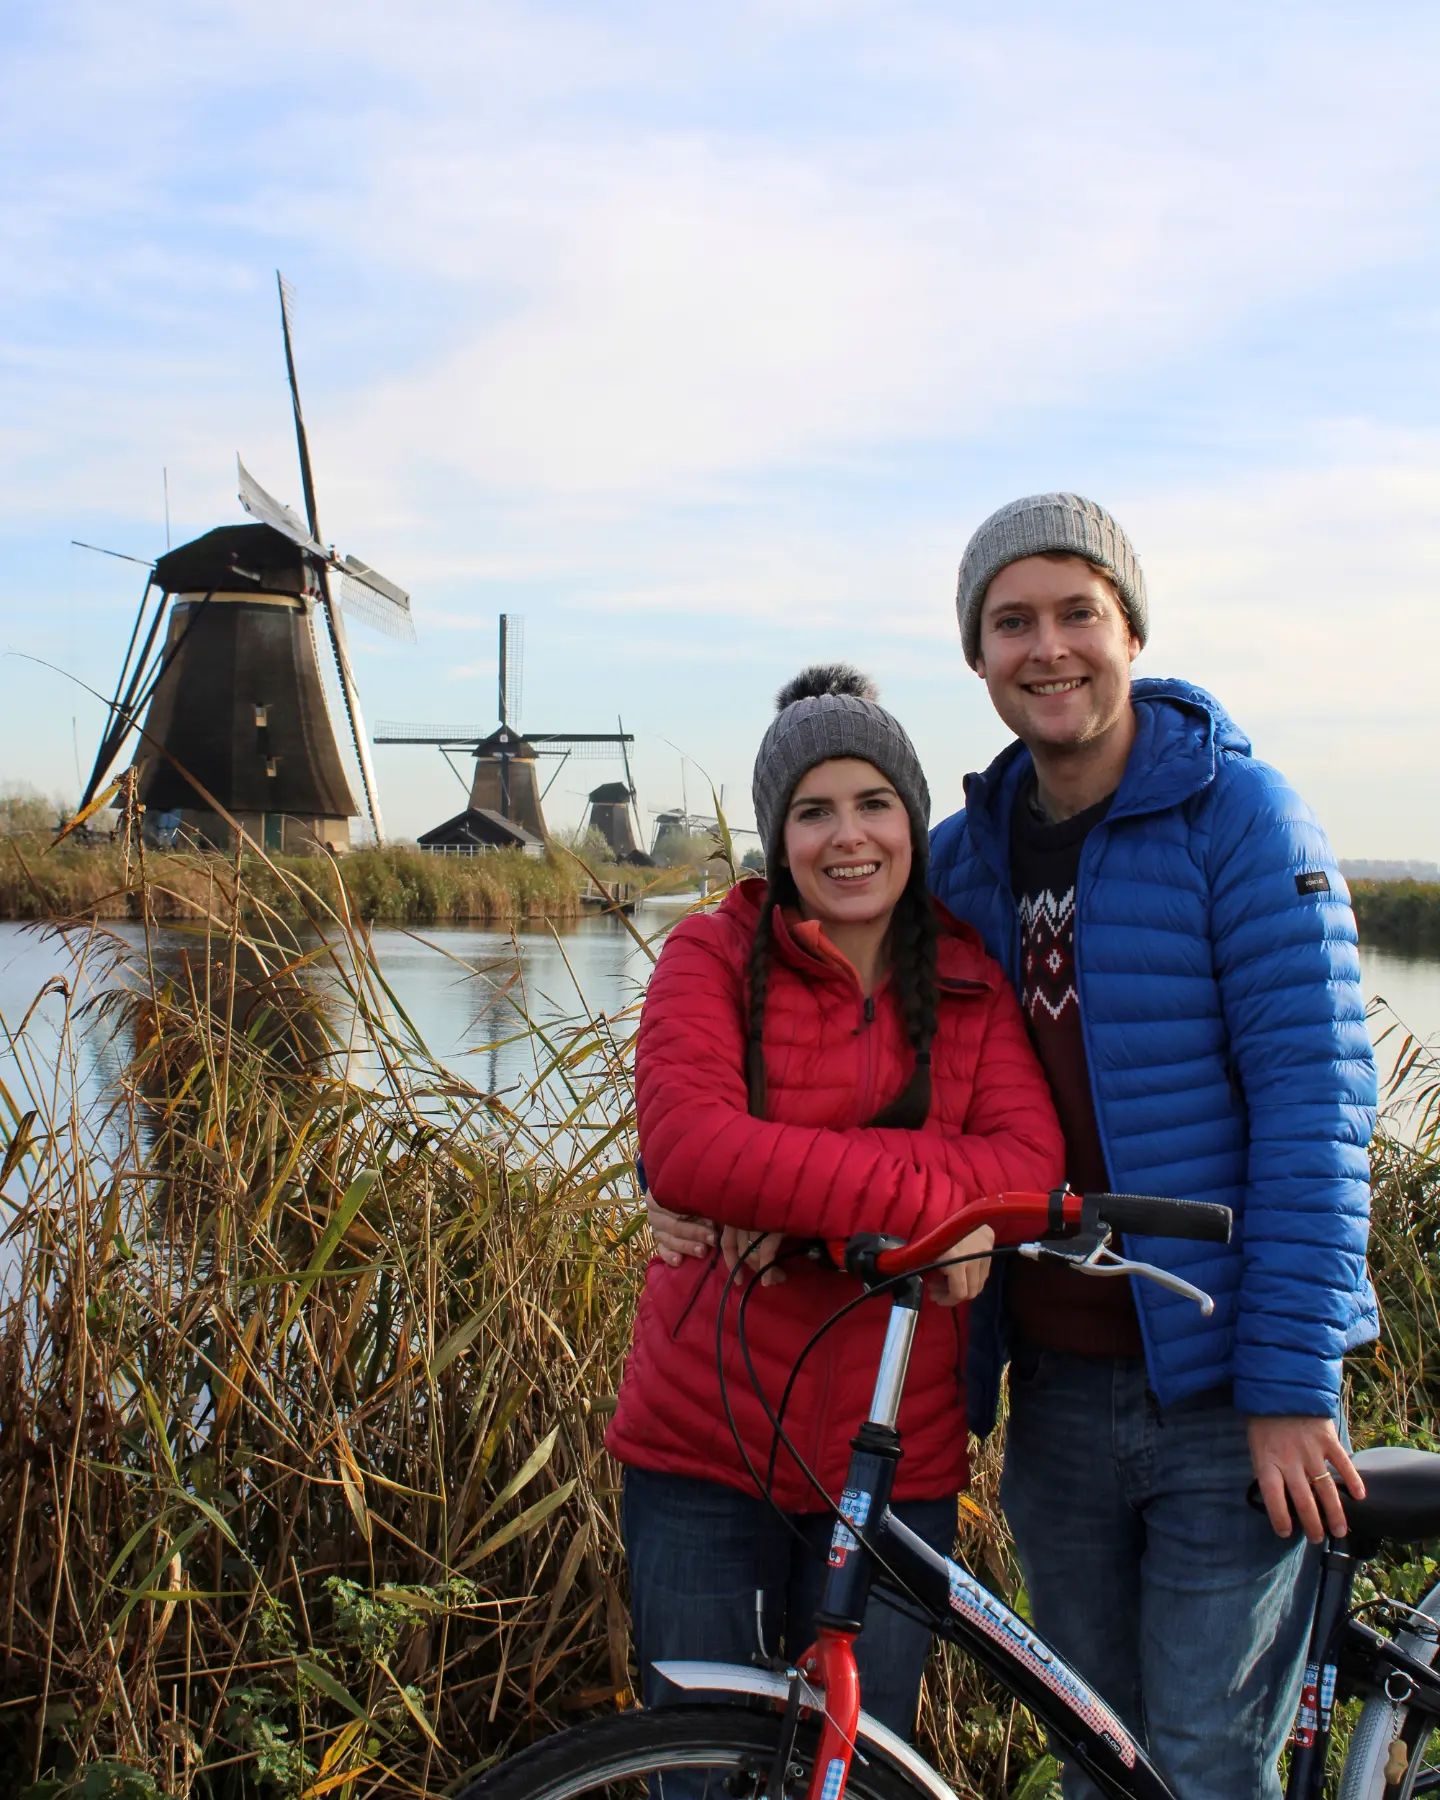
262,717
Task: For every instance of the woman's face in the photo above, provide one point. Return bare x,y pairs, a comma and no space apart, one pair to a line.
847,844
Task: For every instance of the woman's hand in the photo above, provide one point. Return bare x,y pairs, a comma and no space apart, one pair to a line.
756,1248
681,1235
678,1235
959,1281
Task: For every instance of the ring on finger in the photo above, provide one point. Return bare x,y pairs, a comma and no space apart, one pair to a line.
1324,1475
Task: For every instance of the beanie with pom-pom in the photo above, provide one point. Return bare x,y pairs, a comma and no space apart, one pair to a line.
831,710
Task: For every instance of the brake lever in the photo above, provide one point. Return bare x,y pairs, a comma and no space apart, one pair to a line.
1091,1254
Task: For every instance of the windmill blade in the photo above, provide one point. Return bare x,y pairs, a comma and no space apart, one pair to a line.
590,746
512,667
302,443
636,825
351,695
269,511
625,757
463,737
368,596
123,556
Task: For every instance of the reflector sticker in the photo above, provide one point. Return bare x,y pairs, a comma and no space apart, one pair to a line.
855,1506
1317,1701
997,1621
834,1779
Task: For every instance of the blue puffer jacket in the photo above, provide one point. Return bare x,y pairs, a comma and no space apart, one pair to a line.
1225,1030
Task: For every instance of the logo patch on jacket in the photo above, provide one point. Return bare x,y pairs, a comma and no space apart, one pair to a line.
1313,881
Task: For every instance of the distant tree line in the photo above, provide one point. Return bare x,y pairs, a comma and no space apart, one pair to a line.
1399,915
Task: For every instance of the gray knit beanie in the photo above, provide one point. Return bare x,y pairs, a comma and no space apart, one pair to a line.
1048,522
830,710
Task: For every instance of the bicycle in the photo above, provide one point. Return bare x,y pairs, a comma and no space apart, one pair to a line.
783,1733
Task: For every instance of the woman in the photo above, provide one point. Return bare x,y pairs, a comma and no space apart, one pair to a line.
823,1054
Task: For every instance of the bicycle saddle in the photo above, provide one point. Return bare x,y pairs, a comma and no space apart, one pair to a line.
1402,1496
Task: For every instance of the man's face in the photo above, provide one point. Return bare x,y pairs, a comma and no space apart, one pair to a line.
1055,653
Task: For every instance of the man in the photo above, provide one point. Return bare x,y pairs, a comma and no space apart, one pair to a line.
1183,945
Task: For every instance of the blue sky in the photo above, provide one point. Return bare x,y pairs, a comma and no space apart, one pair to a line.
703,336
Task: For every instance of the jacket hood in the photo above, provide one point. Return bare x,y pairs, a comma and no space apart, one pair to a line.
1180,733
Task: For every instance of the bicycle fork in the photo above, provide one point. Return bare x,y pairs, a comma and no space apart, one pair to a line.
830,1660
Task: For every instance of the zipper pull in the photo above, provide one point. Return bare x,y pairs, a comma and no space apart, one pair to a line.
869,1009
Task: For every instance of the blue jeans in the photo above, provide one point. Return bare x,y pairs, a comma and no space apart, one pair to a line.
1148,1571
698,1551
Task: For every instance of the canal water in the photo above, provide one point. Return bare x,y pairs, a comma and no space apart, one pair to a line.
468,992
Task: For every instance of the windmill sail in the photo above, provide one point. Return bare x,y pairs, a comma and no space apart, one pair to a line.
367,595
511,666
375,599
272,512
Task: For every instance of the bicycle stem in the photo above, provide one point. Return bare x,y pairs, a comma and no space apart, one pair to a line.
894,1358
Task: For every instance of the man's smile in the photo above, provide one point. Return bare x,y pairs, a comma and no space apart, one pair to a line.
1054,687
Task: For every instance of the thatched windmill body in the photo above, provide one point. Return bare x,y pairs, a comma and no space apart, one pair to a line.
228,703
505,809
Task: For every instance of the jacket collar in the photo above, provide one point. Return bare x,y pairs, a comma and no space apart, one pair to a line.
1180,731
961,960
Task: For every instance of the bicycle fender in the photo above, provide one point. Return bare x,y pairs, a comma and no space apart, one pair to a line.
766,1684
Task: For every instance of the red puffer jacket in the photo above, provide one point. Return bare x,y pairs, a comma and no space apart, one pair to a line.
811,1168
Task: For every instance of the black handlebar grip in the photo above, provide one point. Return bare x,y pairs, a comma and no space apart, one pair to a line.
1153,1216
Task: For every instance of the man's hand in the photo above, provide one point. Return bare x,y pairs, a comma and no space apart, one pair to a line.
1302,1457
755,1248
963,1280
678,1235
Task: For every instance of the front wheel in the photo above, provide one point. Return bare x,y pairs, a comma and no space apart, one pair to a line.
1395,1747
678,1753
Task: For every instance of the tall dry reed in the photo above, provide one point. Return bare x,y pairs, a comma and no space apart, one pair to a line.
303,1352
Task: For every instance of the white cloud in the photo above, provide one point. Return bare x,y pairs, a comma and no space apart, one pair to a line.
703,336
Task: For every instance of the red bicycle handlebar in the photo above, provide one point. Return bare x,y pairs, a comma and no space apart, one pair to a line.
1015,1218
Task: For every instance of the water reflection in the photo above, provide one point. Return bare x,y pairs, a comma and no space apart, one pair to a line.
489,1004
471,995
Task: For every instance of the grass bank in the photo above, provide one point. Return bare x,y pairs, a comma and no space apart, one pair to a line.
1399,915
397,885
304,1372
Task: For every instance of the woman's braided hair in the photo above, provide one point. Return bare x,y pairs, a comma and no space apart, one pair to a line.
913,931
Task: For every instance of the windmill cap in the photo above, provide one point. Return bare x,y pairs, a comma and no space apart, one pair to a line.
235,557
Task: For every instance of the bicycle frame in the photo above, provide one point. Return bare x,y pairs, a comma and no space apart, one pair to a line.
1346,1655
1343,1646
869,1544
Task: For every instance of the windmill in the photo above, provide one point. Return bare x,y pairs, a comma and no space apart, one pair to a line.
676,826
231,708
505,796
613,810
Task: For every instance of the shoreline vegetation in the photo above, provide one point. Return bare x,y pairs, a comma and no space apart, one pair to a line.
401,885
397,885
305,1363
1399,915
